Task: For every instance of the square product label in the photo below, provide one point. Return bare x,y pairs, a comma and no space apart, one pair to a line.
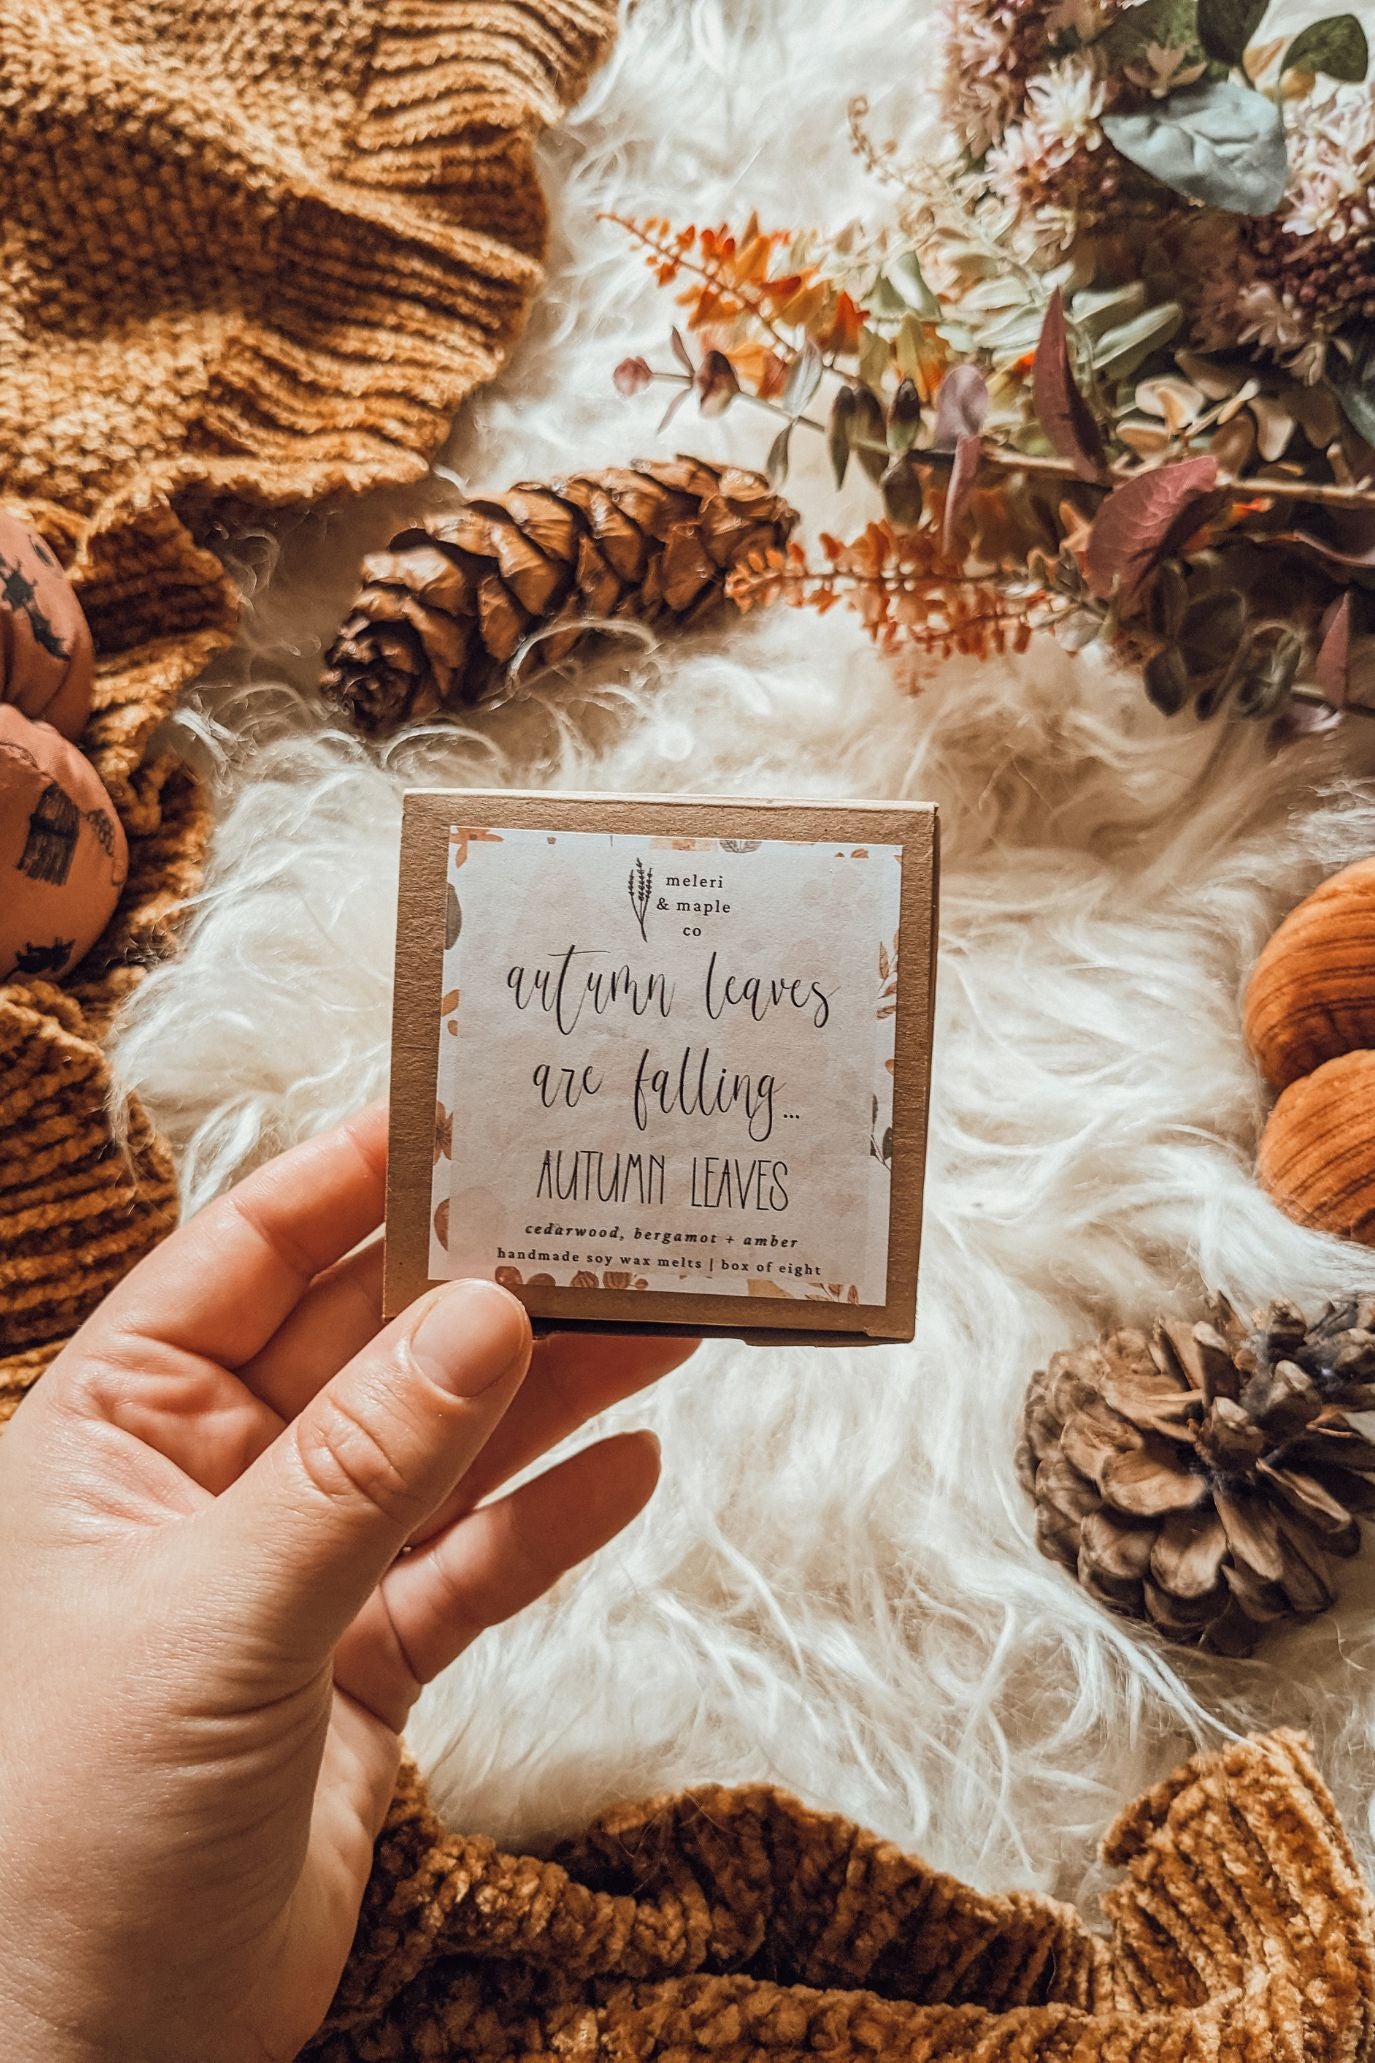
666,1064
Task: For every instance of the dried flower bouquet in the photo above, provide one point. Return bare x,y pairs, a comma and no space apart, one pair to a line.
1114,375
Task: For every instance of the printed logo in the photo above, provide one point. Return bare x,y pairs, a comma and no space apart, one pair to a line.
640,888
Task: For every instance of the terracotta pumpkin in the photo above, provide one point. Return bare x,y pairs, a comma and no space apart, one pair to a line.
1310,1021
47,663
1317,1154
63,856
1312,995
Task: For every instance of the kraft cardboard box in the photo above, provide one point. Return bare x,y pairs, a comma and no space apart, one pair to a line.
665,1061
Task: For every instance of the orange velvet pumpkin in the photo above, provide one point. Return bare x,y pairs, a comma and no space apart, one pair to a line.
1310,1021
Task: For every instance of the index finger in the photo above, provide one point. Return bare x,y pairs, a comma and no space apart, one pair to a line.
223,1283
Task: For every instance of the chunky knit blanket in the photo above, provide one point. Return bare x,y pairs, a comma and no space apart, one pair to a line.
740,1926
254,256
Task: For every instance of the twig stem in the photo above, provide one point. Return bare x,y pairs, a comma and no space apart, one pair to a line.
1301,493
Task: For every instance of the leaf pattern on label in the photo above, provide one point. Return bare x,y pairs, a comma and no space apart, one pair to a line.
584,1278
461,836
888,977
640,887
881,1128
443,1134
441,1224
880,1148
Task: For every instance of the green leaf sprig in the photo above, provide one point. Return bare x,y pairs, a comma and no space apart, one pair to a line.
1219,140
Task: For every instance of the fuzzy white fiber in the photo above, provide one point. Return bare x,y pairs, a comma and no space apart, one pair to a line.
836,1586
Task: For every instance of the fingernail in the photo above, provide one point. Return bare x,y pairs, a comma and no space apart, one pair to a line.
470,1336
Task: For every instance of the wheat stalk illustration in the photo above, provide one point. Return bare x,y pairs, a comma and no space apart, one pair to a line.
641,886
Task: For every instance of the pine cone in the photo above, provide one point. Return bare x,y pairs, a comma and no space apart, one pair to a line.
1203,1478
446,611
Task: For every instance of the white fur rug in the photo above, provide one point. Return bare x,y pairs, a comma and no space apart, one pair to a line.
835,1587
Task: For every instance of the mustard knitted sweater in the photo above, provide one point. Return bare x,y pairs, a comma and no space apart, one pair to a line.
739,1927
256,252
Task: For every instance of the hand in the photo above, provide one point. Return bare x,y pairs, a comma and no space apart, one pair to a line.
240,1527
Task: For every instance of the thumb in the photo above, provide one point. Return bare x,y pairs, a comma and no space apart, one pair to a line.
308,1531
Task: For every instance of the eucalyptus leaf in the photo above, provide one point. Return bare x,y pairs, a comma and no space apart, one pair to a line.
884,299
1170,24
1336,46
867,438
902,492
963,340
1218,142
1015,334
1354,386
716,384
971,260
904,417
1094,310
1225,27
1005,291
1167,600
906,277
839,431
804,377
1118,352
907,346
1167,680
675,403
874,355
776,464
